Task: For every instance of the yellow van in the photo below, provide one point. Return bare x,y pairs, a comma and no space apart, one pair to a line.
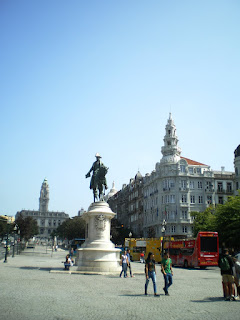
144,245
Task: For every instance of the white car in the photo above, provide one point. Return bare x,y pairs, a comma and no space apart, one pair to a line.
238,256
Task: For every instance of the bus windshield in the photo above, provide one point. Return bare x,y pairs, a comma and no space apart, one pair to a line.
208,244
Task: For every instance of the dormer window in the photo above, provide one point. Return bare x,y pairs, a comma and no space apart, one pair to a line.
182,168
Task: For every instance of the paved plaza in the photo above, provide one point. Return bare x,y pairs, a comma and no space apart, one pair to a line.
34,286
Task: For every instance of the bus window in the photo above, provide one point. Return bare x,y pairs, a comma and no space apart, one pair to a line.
187,251
208,244
174,252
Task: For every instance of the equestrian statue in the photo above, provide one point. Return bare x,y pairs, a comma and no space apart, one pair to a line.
98,181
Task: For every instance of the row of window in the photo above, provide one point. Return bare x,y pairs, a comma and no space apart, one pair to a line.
37,213
50,222
191,170
42,231
167,215
133,195
174,229
167,184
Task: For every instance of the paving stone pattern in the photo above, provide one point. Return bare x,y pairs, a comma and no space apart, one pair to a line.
33,285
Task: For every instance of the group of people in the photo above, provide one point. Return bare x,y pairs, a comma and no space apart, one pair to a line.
126,263
150,270
229,266
166,269
230,271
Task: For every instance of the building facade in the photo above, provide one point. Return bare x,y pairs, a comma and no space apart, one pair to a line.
47,221
128,204
237,169
179,186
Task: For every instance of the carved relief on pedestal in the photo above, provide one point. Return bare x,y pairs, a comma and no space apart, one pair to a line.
100,222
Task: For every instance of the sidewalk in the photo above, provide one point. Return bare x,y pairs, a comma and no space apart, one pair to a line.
33,287
53,261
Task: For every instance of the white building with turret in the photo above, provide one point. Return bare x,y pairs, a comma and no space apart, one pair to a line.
177,187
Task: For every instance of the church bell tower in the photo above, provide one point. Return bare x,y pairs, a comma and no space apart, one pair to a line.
44,197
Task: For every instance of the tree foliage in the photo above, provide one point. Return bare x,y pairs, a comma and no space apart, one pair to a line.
119,232
224,218
71,228
3,228
228,222
204,221
151,232
28,227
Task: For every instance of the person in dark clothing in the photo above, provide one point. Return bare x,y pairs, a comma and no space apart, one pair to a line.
150,271
225,263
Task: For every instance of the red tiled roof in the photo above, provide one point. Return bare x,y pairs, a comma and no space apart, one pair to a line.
192,162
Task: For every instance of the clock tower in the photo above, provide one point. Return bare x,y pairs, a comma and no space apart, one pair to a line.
44,197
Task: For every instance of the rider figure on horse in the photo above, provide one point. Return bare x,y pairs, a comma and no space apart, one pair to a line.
98,180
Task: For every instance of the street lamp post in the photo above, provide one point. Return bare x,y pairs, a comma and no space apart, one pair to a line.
6,252
14,233
164,223
18,242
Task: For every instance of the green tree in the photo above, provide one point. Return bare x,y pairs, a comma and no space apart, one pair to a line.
3,228
228,222
28,227
224,218
204,221
71,228
119,232
151,232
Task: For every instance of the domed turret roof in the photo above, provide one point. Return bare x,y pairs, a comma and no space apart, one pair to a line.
138,176
112,192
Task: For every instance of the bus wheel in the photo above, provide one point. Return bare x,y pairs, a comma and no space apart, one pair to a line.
203,268
185,264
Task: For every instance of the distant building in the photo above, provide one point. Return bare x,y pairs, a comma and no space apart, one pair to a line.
81,212
8,219
119,205
47,221
128,204
237,169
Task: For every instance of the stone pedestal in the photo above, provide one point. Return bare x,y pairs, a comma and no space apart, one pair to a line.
98,253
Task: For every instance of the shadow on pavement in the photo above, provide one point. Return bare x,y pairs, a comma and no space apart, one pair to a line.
40,268
209,299
140,295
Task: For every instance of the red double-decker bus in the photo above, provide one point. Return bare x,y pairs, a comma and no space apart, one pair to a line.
200,252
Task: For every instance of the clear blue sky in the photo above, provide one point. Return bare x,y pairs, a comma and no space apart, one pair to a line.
80,77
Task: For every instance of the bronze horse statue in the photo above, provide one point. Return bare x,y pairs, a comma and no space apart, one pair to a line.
98,181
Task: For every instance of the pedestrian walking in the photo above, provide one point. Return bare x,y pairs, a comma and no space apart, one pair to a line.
150,271
236,273
124,264
225,264
129,263
167,272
